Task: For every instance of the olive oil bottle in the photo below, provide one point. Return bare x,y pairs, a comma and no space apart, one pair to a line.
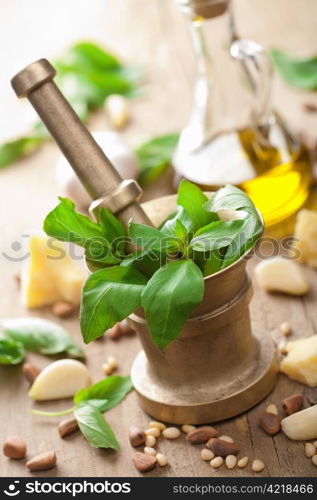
232,135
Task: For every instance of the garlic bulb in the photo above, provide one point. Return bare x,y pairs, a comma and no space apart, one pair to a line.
118,152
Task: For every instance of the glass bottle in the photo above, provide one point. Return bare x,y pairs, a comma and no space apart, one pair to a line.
233,136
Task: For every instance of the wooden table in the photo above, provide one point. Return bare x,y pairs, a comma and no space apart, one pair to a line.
158,39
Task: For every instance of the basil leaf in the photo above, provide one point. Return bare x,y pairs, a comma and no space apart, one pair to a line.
216,235
147,237
193,200
213,263
181,231
40,335
300,73
105,394
230,197
250,231
169,297
154,156
180,214
87,55
146,261
94,427
65,224
11,352
12,150
109,296
112,227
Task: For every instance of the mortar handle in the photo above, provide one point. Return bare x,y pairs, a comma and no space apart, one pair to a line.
93,168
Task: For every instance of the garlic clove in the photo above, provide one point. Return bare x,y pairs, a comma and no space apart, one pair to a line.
301,425
281,275
118,152
61,379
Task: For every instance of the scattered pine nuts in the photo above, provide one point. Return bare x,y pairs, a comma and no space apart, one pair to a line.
150,441
153,431
216,462
310,450
63,309
282,346
258,466
162,459
226,438
68,426
171,433
159,425
30,372
110,366
187,428
207,455
14,447
272,409
150,451
314,460
285,328
117,108
137,436
43,461
231,461
243,462
144,462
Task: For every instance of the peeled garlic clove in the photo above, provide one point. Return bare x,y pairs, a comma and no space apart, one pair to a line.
302,425
118,110
230,214
61,379
120,155
281,275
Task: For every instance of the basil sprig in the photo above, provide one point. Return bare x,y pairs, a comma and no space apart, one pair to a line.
165,274
298,72
89,405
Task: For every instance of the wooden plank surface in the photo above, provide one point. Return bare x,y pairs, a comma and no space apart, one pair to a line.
153,34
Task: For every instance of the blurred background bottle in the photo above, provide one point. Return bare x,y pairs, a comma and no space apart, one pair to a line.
233,136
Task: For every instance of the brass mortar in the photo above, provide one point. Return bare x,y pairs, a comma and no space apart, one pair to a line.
217,368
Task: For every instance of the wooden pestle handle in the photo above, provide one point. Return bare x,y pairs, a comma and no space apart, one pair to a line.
93,168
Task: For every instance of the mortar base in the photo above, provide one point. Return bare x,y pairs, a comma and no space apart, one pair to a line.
168,404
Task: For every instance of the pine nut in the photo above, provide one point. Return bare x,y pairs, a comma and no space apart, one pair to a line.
315,443
110,366
207,455
257,466
282,346
63,309
243,462
162,459
159,425
216,462
117,108
153,431
231,461
44,461
67,426
285,328
310,450
150,441
272,409
187,428
226,438
171,433
314,460
150,451
144,462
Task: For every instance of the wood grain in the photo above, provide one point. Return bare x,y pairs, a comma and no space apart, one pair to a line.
158,39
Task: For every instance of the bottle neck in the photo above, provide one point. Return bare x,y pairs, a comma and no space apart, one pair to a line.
206,9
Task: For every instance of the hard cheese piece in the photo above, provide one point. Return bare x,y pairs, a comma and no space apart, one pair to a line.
301,361
50,274
306,236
